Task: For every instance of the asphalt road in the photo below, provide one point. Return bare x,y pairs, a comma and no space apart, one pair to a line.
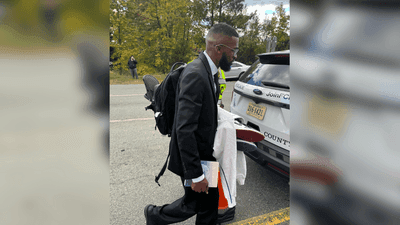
138,151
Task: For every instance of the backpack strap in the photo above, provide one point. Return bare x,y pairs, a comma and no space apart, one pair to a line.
163,169
175,64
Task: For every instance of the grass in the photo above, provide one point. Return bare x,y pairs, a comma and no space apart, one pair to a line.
126,77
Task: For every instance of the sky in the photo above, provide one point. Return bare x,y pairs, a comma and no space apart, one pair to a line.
265,7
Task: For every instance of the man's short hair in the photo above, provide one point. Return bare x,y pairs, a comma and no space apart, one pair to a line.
222,28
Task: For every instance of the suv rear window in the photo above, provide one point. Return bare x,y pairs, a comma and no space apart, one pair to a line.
268,75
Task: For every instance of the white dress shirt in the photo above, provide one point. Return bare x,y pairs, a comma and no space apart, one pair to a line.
214,69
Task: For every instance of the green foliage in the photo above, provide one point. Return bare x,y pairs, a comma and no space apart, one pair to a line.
50,22
156,32
251,42
278,26
159,33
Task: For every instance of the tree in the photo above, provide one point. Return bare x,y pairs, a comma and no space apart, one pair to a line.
118,31
161,32
166,36
251,42
278,26
156,32
227,11
234,16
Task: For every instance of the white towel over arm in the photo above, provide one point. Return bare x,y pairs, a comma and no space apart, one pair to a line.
232,163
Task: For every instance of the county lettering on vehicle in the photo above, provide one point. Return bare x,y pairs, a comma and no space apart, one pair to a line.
277,139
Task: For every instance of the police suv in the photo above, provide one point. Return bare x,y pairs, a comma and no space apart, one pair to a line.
262,97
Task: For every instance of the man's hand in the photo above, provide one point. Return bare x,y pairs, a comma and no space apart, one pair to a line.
201,186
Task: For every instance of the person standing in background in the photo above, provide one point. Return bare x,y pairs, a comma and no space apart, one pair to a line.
132,67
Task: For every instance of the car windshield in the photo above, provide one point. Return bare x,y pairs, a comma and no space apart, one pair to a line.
267,75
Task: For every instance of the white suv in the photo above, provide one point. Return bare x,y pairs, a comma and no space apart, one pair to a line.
262,97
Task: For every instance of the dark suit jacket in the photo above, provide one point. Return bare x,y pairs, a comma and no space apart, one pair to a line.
195,122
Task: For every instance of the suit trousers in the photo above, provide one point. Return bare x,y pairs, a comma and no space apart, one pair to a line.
192,203
134,73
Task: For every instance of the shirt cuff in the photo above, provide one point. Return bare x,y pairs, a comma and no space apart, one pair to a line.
198,179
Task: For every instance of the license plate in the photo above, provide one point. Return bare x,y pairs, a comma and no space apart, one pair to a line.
256,111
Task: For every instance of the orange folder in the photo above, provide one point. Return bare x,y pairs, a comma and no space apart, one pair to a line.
223,202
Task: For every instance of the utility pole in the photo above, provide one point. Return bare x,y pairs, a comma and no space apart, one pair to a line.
274,41
268,43
271,43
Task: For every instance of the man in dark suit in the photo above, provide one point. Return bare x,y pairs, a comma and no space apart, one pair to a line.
194,128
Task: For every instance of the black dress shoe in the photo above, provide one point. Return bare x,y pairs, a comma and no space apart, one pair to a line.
227,216
147,210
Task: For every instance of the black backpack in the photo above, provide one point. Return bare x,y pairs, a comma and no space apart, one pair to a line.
162,98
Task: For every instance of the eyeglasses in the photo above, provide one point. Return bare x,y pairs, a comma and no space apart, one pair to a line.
234,50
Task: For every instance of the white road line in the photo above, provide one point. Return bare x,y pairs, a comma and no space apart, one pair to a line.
125,95
129,120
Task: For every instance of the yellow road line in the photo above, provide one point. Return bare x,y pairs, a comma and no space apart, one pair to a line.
272,218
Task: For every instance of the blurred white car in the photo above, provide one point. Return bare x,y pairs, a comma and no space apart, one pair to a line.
237,69
262,97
